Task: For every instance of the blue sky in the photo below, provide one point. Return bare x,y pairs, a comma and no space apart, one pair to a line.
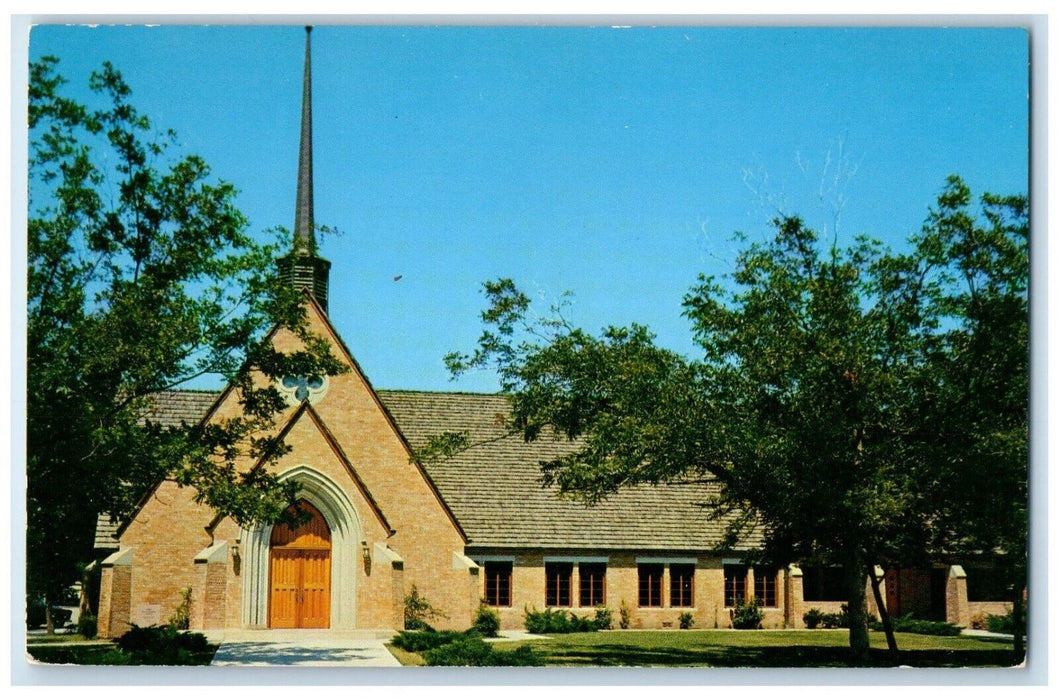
613,163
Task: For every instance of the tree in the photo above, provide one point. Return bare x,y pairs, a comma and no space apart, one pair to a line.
811,405
981,414
141,276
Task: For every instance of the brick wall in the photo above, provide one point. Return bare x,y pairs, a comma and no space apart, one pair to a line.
622,587
171,528
114,601
213,600
166,535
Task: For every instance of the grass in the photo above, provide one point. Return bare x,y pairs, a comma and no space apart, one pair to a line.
75,649
406,658
755,649
40,639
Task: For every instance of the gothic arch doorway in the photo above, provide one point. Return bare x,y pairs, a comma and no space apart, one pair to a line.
342,521
300,573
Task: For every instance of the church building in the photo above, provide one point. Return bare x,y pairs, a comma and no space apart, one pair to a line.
473,528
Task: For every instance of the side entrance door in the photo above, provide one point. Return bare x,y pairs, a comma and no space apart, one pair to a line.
892,581
300,574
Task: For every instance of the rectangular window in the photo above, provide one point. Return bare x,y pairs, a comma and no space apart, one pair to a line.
592,588
498,583
681,585
651,585
765,587
821,583
557,584
734,584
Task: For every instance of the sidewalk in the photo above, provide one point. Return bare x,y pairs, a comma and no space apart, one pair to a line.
985,633
302,648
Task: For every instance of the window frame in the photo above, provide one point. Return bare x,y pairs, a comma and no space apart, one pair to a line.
558,579
592,584
500,570
736,573
653,584
768,578
681,585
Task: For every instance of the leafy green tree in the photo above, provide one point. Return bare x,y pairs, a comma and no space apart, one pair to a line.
141,276
811,404
980,415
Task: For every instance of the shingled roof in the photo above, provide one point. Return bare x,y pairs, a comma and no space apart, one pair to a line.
171,408
176,407
493,488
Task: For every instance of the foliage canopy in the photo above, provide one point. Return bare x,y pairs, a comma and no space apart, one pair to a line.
141,277
849,402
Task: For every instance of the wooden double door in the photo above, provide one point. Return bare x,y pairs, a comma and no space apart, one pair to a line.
300,574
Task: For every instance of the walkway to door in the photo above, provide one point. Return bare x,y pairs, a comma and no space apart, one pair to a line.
302,648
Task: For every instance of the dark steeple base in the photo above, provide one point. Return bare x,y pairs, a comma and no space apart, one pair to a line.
306,271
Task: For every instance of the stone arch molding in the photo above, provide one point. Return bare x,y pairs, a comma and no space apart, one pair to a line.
346,534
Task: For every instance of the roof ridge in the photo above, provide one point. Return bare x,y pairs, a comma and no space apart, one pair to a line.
438,392
187,391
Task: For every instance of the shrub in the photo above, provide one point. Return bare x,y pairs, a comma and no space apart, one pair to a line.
978,622
624,613
87,626
547,621
551,621
425,639
469,649
907,623
181,619
814,618
687,620
161,645
464,650
604,619
747,615
418,612
583,624
833,621
1002,624
486,621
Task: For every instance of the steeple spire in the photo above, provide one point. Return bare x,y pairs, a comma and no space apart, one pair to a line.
303,268
304,236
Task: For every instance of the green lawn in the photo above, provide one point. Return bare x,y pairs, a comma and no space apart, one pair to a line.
743,648
74,649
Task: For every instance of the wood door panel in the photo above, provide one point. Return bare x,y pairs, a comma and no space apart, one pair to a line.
316,589
286,574
300,574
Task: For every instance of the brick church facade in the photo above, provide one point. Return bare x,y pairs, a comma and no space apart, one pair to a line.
474,527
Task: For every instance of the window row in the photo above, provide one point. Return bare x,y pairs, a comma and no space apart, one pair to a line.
735,585
681,585
557,584
591,584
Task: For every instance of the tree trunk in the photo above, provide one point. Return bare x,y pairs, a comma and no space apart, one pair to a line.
1018,620
856,614
49,623
884,614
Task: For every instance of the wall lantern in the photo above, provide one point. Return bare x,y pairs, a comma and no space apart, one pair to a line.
365,552
235,549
